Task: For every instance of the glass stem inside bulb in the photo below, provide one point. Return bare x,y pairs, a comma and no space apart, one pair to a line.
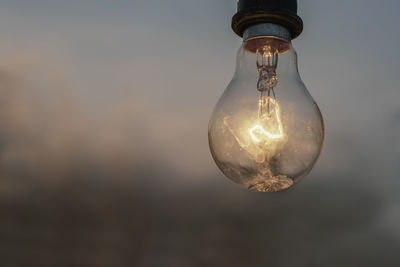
267,62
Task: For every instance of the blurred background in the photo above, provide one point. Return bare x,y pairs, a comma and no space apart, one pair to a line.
104,158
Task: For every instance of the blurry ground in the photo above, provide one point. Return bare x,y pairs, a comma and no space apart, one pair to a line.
121,224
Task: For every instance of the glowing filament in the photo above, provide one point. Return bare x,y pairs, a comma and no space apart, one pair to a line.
267,133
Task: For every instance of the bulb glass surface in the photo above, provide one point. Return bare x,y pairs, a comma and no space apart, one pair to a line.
266,132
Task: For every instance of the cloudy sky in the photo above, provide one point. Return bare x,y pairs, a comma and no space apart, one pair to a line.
104,157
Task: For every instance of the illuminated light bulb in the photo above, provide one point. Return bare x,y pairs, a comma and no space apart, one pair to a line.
266,132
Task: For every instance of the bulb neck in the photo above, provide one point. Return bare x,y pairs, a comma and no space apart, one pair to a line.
267,30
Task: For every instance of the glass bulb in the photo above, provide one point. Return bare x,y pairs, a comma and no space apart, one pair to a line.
266,132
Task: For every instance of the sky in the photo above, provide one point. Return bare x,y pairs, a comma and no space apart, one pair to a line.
104,157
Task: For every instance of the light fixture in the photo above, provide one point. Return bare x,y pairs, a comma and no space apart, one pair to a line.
266,132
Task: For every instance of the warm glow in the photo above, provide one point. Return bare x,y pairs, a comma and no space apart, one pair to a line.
260,128
266,133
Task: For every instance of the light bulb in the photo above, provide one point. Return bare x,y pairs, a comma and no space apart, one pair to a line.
266,132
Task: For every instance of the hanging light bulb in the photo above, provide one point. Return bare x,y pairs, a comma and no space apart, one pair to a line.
266,131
